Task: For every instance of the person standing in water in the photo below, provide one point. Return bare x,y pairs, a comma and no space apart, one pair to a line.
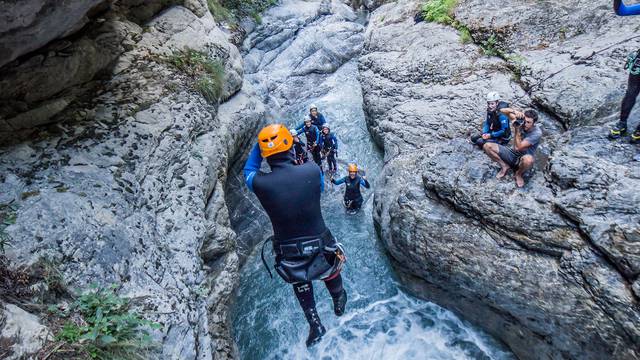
304,247
352,196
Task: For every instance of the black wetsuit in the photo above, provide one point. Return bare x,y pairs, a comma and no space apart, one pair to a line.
313,138
290,194
300,152
352,196
633,86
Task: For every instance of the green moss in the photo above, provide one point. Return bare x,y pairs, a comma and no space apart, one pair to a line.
465,34
233,10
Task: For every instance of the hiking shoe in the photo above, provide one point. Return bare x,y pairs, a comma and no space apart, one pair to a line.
635,137
340,303
617,132
315,334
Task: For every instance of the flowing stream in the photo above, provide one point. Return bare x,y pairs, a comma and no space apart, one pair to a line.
381,321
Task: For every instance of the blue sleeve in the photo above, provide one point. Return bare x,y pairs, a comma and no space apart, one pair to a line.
335,143
621,9
321,142
485,127
321,119
252,166
317,134
321,181
504,125
299,127
364,183
339,181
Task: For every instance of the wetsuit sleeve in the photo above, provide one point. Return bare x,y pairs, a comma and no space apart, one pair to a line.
252,166
365,183
339,181
320,142
335,143
504,125
299,127
623,10
317,134
322,120
321,181
485,127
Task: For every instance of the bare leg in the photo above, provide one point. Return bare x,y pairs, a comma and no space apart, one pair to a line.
526,163
491,150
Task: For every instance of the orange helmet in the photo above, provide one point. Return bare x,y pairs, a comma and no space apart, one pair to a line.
353,168
274,139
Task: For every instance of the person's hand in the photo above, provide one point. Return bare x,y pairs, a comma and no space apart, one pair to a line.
486,136
519,114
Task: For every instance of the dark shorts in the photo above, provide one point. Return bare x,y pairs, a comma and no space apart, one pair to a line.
509,156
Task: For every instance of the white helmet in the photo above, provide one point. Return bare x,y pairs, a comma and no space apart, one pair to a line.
313,106
326,125
307,118
493,96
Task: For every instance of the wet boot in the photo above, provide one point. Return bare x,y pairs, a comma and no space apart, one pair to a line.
340,303
635,137
617,131
316,330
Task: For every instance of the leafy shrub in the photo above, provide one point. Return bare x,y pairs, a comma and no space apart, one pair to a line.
489,46
439,11
101,325
207,74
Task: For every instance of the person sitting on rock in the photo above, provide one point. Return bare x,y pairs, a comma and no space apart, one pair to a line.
352,196
299,149
329,145
633,85
312,134
526,140
496,124
305,248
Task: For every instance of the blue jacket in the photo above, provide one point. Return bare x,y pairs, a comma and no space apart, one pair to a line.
352,192
623,10
496,132
318,122
328,141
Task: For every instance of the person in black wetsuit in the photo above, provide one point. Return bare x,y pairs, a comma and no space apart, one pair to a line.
352,196
299,149
633,85
312,134
329,148
304,247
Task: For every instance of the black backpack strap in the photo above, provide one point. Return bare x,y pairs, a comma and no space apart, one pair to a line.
264,262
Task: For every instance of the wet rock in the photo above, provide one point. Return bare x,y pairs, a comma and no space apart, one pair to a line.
21,334
548,269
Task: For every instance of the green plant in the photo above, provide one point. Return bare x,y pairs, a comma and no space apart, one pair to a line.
102,325
218,11
465,34
439,11
8,217
208,74
489,46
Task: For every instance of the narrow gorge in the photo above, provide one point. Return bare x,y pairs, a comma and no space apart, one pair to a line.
124,126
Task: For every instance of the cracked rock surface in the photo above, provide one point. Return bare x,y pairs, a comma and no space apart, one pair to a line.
127,186
550,269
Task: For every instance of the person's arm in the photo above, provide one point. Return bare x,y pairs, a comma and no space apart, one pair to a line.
364,182
317,134
252,166
519,144
320,142
335,143
504,125
299,127
339,181
321,181
321,119
623,10
485,126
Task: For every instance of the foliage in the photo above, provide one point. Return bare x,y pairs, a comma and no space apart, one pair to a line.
101,325
233,10
489,46
208,74
465,34
439,11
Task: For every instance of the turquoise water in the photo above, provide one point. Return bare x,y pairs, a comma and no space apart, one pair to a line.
381,321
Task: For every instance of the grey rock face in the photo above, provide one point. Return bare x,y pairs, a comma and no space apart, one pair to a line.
28,25
128,187
549,269
21,333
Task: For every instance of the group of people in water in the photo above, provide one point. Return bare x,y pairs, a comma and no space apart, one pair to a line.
305,250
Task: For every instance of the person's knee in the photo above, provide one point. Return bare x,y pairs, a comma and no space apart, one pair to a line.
526,161
490,147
